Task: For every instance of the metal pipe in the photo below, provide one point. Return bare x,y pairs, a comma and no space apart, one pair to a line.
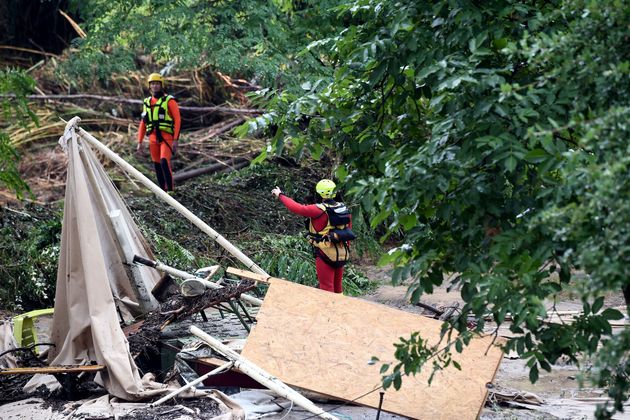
191,384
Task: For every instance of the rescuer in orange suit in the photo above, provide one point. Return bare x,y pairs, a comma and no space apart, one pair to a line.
161,120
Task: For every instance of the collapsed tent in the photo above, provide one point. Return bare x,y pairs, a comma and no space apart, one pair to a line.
98,286
95,283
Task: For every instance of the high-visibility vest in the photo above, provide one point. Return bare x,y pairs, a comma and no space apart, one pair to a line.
157,116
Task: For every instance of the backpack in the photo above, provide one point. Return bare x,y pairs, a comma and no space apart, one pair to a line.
332,242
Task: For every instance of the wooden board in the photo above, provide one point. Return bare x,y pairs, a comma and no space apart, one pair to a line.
49,370
323,342
250,275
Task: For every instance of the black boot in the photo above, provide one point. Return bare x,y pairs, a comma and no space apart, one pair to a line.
168,177
159,175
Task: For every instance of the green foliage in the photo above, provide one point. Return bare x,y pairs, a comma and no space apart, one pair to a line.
171,253
412,354
256,39
493,137
29,254
19,84
291,258
366,243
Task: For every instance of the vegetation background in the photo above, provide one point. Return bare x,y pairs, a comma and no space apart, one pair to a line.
487,141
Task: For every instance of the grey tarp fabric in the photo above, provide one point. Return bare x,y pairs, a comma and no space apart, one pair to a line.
92,276
7,342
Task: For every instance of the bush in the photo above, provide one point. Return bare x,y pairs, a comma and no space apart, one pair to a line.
29,254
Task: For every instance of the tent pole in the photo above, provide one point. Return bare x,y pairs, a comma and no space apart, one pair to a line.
165,197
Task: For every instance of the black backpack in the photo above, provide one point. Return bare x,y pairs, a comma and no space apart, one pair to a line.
339,218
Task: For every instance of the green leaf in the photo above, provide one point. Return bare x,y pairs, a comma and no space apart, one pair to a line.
533,374
397,382
510,163
611,314
598,304
536,156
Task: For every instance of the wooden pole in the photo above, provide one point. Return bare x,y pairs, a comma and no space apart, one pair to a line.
261,376
73,123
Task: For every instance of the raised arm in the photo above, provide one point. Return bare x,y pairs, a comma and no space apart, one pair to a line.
306,210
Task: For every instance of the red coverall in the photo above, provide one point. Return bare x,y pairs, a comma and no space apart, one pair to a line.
329,277
163,150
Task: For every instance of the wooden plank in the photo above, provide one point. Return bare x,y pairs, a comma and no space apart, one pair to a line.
323,342
51,370
249,275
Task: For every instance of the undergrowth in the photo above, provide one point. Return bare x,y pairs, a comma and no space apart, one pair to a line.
171,253
291,258
29,255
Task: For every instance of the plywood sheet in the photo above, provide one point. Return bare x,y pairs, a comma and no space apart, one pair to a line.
322,342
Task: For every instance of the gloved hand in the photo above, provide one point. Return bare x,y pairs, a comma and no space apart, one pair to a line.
276,192
174,147
139,149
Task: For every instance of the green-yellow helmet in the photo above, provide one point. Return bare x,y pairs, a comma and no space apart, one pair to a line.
155,77
325,188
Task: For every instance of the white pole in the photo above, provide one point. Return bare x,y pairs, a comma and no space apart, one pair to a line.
261,375
191,384
167,198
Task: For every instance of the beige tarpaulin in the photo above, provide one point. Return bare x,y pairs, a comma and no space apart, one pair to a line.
93,280
7,342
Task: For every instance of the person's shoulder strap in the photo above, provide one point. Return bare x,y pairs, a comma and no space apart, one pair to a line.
322,207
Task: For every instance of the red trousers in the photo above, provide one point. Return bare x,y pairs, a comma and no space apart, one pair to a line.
329,277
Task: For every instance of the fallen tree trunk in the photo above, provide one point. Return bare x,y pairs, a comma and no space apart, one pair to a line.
221,128
230,165
195,109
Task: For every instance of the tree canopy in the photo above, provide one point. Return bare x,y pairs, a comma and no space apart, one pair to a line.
17,83
492,136
258,40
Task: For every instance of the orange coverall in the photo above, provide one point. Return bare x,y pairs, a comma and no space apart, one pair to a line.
161,152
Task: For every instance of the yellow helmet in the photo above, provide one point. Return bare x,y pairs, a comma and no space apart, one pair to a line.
155,77
325,188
